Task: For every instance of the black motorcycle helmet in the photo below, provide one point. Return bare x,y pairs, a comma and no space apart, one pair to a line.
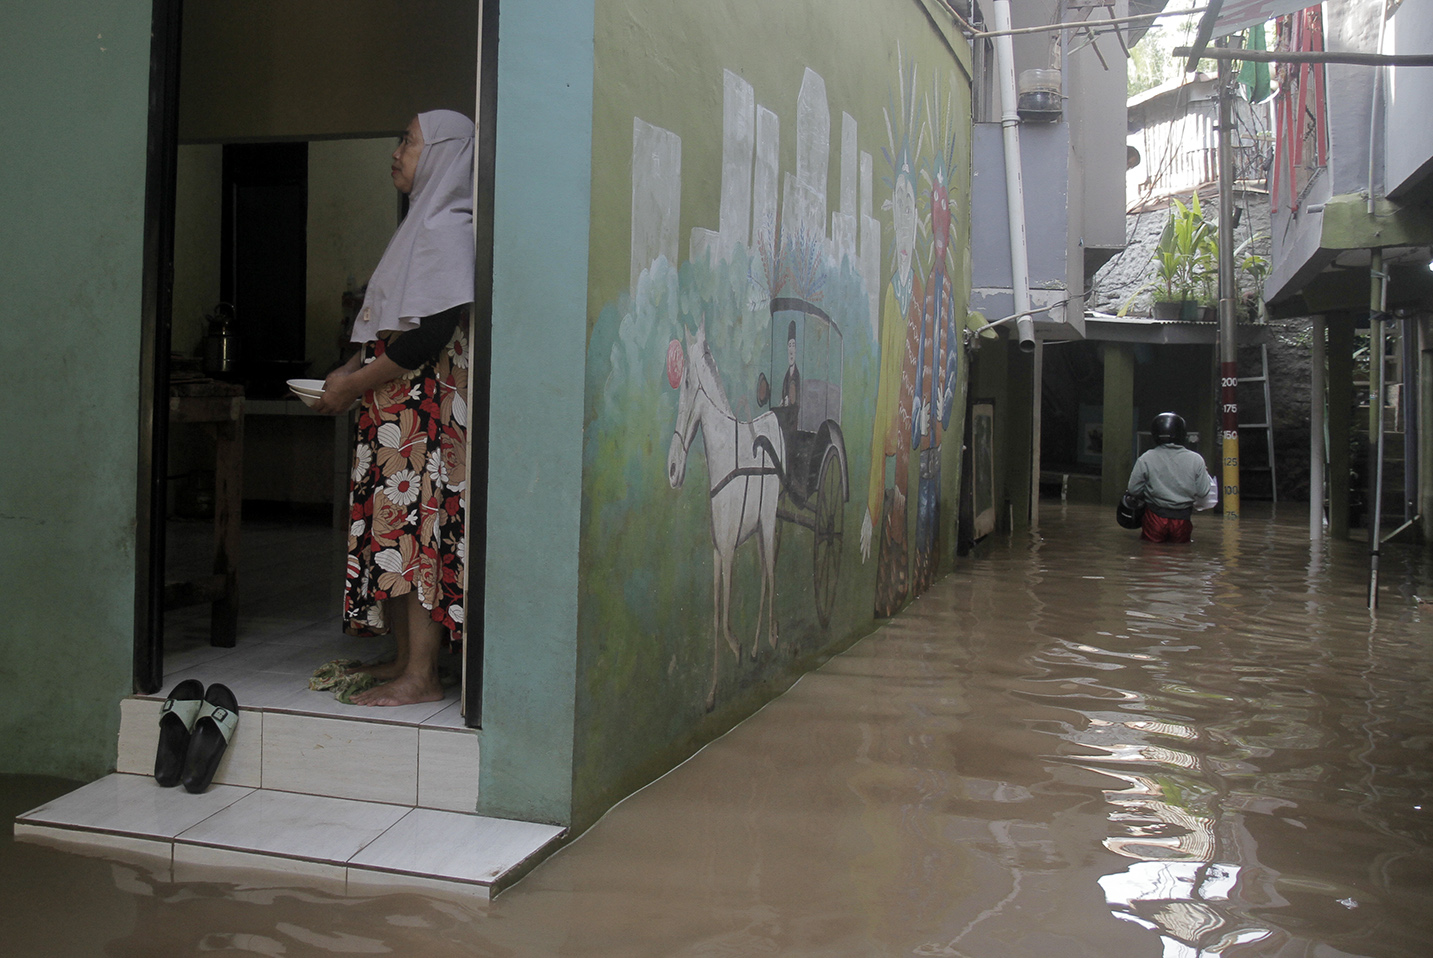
1168,427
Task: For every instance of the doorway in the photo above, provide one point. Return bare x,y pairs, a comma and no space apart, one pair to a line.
265,119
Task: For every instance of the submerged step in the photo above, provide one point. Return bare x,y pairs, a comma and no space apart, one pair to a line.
339,844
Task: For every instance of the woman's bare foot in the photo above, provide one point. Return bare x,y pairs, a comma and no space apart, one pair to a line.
404,690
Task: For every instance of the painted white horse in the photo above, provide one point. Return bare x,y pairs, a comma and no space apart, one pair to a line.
744,462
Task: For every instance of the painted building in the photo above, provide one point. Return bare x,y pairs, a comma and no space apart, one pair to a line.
726,302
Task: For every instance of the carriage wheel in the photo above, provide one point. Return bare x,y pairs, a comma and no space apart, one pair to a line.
829,525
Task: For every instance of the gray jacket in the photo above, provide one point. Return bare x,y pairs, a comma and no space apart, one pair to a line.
1170,478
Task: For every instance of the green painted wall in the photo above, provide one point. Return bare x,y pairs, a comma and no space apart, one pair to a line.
698,108
540,255
74,88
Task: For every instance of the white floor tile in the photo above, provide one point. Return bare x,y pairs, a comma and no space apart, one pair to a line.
134,805
196,656
138,735
450,717
200,863
363,881
448,769
154,855
311,827
308,702
253,688
243,761
368,761
454,846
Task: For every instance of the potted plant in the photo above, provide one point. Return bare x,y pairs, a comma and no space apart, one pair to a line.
1185,259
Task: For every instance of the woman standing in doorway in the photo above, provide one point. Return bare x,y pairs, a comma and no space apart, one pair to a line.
408,486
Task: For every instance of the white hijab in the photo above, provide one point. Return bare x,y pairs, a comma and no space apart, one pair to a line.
428,265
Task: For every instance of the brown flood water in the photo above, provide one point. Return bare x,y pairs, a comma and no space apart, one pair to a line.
1078,745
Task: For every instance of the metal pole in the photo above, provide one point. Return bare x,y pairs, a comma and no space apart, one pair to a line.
1316,432
1228,331
1377,293
1412,404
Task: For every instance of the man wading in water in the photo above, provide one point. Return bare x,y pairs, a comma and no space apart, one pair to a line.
1172,481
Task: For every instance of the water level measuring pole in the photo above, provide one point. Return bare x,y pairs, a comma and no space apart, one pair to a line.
1228,330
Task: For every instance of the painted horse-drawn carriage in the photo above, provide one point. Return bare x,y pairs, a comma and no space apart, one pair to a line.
815,481
787,464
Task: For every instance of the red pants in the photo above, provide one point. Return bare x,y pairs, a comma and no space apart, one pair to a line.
1155,528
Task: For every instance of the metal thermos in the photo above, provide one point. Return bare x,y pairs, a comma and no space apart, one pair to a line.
221,343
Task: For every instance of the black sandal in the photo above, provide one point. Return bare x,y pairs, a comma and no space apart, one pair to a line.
176,722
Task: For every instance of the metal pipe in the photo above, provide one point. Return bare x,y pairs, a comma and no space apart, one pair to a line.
1412,418
1373,107
1378,296
1316,432
1014,177
1348,57
1407,525
1060,26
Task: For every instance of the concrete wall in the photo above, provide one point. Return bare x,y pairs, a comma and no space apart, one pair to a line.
75,88
1097,137
1044,157
352,212
1352,26
300,69
1296,256
198,188
1409,151
744,152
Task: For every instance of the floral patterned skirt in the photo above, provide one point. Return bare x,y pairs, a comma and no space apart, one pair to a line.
408,492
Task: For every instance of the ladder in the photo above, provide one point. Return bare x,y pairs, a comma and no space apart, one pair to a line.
1267,427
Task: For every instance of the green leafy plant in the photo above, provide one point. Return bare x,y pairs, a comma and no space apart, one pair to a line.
1187,257
1253,265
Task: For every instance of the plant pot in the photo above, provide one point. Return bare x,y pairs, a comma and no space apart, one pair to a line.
1169,310
1209,314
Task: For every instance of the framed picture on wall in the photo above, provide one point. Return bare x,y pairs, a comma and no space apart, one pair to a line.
982,461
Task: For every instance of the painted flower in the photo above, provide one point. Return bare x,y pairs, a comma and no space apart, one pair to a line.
436,472
456,612
402,487
458,350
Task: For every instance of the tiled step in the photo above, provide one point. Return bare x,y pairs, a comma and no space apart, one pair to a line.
342,845
367,759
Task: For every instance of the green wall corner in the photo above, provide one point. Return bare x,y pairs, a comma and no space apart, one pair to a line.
75,84
540,255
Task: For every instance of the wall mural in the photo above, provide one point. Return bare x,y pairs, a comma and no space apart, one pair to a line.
764,338
919,361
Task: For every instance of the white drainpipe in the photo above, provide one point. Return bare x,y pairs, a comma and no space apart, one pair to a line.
1014,180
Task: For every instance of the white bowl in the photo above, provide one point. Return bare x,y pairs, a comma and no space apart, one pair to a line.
313,387
310,391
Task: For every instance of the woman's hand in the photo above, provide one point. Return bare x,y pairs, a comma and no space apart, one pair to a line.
347,384
339,393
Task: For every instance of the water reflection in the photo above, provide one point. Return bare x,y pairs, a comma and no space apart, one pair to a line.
1077,745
